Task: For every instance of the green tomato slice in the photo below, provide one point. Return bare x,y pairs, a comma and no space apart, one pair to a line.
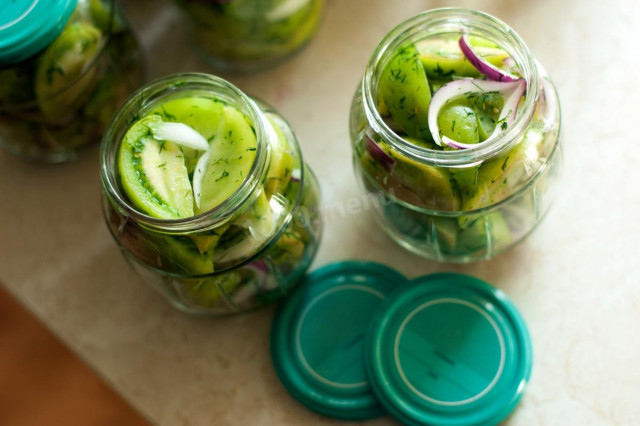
201,114
210,292
228,161
183,254
487,230
65,74
282,162
404,89
442,58
153,173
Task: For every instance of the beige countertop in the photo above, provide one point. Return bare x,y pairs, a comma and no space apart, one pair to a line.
576,280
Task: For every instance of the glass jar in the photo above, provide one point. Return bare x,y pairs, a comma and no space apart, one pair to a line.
247,35
249,250
457,205
62,79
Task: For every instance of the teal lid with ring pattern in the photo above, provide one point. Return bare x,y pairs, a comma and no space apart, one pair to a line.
448,349
318,334
28,26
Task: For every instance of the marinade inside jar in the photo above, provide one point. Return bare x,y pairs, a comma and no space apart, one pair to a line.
431,95
186,158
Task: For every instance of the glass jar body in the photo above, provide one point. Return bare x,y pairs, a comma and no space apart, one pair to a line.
252,255
249,35
60,100
422,205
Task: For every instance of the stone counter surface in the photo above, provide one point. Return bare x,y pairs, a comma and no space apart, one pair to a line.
576,279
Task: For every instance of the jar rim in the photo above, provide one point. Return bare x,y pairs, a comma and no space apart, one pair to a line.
146,99
447,20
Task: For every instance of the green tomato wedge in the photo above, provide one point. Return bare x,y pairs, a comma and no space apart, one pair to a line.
208,242
487,230
442,58
432,186
183,255
228,161
499,177
282,162
209,292
418,184
102,14
469,120
153,173
457,120
472,118
254,228
65,75
201,114
404,89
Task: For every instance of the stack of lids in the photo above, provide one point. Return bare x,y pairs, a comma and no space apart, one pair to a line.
358,340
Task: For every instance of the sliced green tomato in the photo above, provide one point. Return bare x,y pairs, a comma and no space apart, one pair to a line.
500,177
209,292
487,230
422,143
207,243
442,58
472,118
291,247
251,231
445,232
15,85
282,163
261,218
432,186
65,74
230,158
103,15
414,183
457,120
153,173
467,180
201,114
404,89
183,255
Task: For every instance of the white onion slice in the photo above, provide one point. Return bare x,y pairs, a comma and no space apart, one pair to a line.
198,175
286,9
512,92
180,134
490,71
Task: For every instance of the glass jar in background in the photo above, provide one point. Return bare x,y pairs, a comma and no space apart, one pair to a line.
455,203
249,246
65,67
248,35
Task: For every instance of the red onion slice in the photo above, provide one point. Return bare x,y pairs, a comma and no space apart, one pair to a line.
490,71
379,155
511,91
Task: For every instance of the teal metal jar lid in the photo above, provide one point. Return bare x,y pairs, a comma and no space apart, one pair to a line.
318,334
28,26
448,349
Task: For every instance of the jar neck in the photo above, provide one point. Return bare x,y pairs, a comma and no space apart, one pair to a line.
150,97
447,22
